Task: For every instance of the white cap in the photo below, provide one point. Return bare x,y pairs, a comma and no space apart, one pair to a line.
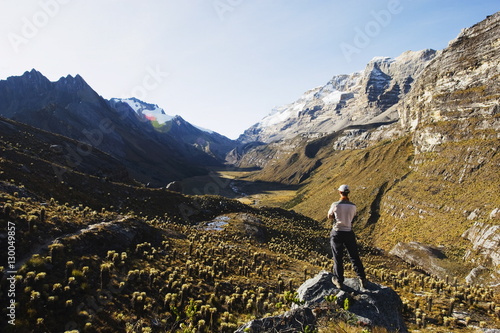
344,188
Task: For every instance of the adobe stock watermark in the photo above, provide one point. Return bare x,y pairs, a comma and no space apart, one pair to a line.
364,36
223,7
11,273
31,26
152,80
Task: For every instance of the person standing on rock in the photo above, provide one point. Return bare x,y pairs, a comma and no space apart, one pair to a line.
342,213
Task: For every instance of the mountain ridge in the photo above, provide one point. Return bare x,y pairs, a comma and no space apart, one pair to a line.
70,107
345,100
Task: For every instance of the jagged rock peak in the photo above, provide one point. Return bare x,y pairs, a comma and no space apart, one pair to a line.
35,81
33,75
345,100
76,81
29,80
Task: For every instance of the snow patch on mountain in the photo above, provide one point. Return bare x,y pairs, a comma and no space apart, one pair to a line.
152,112
282,113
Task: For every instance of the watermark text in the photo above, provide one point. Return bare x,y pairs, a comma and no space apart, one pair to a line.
11,273
364,36
31,26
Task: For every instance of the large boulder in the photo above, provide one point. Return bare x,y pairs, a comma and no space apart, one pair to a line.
428,258
373,306
118,235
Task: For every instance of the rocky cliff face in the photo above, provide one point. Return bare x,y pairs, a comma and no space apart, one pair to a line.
458,97
358,98
452,114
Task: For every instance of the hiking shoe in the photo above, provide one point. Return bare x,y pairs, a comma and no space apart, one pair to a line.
336,283
363,283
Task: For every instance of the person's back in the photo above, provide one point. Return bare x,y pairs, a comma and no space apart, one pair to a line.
343,212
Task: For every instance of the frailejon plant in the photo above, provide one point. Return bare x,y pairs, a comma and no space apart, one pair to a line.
292,297
347,304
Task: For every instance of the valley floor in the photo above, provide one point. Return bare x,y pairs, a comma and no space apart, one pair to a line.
234,184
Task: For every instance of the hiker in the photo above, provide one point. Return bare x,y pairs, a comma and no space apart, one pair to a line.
342,212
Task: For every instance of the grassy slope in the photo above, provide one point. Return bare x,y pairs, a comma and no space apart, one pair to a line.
402,195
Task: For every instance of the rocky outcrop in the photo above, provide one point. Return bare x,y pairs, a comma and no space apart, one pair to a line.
118,235
426,257
295,320
375,306
485,239
485,252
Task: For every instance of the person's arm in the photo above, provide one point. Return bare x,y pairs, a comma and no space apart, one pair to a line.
331,212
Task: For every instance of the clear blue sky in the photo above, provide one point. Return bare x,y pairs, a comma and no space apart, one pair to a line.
220,64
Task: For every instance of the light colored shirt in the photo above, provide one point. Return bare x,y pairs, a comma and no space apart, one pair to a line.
342,212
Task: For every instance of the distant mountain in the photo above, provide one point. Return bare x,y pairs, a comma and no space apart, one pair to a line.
183,132
358,98
145,111
70,107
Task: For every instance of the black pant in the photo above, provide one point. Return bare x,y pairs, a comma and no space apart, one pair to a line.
339,240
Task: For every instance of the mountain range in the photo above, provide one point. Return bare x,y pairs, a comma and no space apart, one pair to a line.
101,243
154,152
358,98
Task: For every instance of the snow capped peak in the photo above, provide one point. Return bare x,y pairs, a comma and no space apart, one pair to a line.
382,60
346,99
152,112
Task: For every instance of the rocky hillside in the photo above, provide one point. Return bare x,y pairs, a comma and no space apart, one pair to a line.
24,149
428,177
